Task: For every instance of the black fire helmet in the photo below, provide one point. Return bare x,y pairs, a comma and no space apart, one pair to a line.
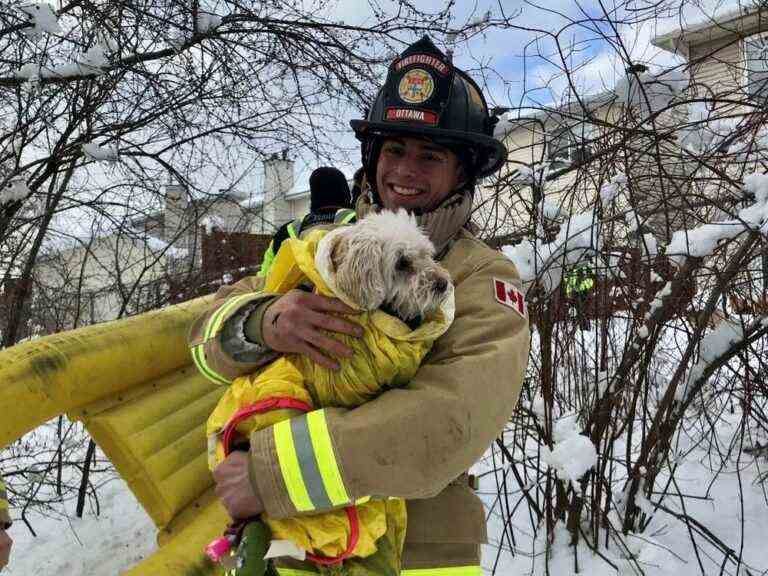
425,96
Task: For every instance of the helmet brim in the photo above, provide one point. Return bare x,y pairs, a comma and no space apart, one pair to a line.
492,152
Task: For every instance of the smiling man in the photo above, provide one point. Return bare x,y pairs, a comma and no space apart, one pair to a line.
427,139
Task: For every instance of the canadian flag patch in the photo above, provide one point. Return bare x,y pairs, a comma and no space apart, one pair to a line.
510,296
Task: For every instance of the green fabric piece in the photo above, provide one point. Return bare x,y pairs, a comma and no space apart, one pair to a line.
254,543
253,324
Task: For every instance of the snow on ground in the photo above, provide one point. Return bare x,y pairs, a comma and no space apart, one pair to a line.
664,549
123,534
102,545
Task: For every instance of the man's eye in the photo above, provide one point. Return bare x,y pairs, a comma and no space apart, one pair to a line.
394,150
403,264
431,158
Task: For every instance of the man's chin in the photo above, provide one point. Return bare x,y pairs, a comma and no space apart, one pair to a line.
409,203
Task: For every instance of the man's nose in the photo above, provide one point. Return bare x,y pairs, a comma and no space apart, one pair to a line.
407,164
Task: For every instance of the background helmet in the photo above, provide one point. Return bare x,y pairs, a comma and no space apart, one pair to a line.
425,96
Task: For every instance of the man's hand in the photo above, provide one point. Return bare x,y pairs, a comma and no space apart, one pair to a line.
234,489
5,548
295,324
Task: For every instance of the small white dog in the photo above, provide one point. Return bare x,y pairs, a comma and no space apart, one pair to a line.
384,261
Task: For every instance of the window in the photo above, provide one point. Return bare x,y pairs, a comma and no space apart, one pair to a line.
756,64
571,144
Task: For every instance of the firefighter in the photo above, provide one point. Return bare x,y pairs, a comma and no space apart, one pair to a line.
579,283
5,523
427,139
329,202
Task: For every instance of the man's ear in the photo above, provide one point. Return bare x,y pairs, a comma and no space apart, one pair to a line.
461,176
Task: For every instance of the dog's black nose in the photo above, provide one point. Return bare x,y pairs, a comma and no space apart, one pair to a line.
441,285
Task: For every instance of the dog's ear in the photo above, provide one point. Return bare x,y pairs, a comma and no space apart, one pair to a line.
338,251
362,277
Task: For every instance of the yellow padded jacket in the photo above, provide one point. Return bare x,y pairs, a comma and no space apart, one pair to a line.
387,356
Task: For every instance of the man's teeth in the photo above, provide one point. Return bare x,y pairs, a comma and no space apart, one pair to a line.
405,191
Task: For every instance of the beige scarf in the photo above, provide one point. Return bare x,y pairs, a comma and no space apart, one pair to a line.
441,224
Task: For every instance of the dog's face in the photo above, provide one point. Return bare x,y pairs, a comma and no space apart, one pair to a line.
386,259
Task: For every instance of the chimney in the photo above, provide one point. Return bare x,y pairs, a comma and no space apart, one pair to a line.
175,214
278,181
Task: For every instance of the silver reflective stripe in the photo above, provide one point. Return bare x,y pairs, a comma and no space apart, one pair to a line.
305,452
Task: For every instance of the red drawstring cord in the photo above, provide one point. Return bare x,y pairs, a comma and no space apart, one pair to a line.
354,535
266,405
279,403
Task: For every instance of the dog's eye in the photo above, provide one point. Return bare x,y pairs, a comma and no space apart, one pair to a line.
403,264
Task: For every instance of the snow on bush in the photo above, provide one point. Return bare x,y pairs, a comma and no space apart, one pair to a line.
43,18
96,152
531,174
549,210
91,63
609,191
702,241
649,245
726,335
577,235
704,132
15,189
658,301
206,22
757,185
573,454
212,223
651,92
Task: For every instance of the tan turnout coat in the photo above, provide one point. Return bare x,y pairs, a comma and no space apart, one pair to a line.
416,442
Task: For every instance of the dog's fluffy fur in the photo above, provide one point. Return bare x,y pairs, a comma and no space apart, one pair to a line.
385,260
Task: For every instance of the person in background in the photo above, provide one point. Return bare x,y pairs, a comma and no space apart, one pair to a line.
330,203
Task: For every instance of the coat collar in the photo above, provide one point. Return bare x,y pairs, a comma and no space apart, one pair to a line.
441,225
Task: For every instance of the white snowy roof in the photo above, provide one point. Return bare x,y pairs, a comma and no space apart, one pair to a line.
708,27
552,112
58,242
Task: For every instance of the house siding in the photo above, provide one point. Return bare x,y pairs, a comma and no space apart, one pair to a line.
717,68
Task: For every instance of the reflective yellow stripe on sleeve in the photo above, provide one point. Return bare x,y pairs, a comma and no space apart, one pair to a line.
326,459
211,329
308,463
290,467
198,357
217,318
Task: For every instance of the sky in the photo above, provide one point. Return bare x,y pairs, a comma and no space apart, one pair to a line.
518,67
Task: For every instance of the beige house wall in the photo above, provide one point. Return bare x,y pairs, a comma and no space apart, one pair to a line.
93,273
717,69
